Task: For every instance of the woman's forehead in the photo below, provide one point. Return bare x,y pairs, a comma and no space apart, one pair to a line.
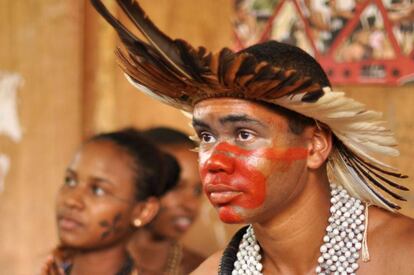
104,158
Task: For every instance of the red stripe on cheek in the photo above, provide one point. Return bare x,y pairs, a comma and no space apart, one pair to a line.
283,158
233,149
288,154
252,182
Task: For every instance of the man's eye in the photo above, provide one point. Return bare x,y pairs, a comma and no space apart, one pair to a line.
207,137
70,182
98,191
244,135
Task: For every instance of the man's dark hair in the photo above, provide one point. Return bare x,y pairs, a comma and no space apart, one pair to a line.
165,136
290,57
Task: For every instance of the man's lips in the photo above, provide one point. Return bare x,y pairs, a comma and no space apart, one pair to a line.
223,197
220,194
219,187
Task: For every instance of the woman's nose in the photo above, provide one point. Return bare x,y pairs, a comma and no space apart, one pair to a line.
191,202
74,198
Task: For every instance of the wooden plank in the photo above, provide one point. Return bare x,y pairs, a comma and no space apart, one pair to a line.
41,40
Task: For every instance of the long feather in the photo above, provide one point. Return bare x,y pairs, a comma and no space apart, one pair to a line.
126,36
164,45
354,182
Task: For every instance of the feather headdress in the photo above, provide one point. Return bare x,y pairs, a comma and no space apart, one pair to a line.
177,74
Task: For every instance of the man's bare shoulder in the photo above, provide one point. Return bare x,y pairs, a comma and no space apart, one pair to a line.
391,241
209,266
395,228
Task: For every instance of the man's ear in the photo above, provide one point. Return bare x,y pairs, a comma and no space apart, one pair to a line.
145,211
320,146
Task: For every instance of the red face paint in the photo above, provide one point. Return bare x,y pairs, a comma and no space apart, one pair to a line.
228,215
231,176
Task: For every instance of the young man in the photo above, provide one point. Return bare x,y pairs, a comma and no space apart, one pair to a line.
280,151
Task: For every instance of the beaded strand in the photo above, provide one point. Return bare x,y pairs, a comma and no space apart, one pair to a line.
341,244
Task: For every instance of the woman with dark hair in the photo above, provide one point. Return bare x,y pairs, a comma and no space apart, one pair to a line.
111,188
156,247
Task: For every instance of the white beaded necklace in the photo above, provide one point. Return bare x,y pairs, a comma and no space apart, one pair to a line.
341,244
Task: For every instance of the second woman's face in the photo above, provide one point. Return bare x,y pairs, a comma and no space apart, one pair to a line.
180,206
95,203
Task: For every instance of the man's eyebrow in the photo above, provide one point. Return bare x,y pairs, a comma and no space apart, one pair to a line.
239,118
200,124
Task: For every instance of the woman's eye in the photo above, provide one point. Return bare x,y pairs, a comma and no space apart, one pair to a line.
197,191
245,135
207,137
70,182
98,191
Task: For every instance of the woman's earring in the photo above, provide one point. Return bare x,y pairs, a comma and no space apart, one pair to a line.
137,222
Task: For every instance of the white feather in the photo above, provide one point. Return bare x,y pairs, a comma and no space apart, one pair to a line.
349,179
348,119
362,131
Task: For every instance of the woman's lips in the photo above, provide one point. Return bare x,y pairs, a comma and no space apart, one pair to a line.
183,223
68,224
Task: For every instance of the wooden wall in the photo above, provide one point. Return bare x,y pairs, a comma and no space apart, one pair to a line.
42,41
73,88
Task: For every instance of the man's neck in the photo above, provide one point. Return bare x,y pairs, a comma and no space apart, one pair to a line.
292,239
104,261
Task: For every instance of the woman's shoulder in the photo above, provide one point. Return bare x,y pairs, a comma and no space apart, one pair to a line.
191,259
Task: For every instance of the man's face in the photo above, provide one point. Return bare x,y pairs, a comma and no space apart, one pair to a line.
251,165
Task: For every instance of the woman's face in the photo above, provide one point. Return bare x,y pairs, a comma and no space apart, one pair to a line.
94,205
180,206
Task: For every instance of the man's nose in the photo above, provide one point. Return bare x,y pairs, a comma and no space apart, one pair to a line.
220,161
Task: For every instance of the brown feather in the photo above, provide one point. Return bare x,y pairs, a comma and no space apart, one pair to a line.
161,42
384,179
230,74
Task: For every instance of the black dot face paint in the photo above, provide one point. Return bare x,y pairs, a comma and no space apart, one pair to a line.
111,228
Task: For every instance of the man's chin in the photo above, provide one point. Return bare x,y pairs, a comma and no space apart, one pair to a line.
228,214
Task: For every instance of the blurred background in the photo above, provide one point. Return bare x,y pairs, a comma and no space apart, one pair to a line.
60,84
